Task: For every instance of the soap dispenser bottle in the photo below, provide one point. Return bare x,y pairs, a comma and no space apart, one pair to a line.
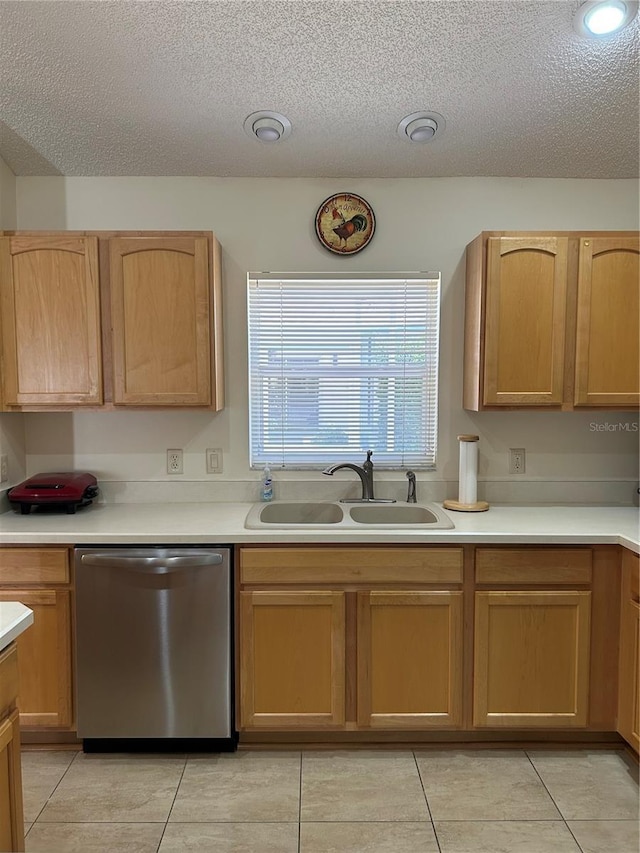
267,485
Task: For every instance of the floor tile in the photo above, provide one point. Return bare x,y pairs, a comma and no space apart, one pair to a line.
367,786
505,836
118,788
230,838
607,836
41,772
94,837
589,785
240,787
389,837
483,785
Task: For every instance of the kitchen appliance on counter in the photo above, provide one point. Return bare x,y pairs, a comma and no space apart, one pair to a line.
66,491
153,648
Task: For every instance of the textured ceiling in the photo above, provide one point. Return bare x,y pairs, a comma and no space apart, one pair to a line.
163,88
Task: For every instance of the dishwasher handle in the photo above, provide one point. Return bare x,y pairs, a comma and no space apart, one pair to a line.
152,565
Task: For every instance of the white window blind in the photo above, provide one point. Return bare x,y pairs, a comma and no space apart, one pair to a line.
339,365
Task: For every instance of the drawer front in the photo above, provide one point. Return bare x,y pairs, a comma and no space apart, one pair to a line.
34,565
8,678
533,565
350,565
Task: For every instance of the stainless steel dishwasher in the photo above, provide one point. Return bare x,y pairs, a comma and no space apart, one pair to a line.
153,648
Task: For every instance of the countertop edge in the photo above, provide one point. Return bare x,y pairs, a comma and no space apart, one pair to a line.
14,619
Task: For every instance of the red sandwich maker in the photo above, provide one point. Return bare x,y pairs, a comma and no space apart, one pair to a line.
66,491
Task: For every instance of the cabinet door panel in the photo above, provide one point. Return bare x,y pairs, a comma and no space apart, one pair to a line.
50,321
11,809
161,321
629,671
44,658
608,333
525,320
532,659
292,659
409,659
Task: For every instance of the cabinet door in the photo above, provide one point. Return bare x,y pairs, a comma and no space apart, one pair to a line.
292,659
11,810
608,333
160,311
44,658
629,672
50,321
409,659
532,659
526,286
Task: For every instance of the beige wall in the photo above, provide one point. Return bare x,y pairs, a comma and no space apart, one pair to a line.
12,442
267,224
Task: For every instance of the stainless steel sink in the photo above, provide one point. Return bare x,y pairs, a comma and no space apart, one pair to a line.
297,514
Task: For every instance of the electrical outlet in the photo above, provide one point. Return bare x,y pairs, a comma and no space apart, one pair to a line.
214,460
516,460
174,461
4,468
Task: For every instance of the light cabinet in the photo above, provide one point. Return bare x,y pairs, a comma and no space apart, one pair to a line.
50,304
409,659
531,661
40,579
292,659
607,340
111,319
551,321
342,638
11,808
629,675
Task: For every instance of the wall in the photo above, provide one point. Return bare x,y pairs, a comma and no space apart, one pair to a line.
267,224
12,439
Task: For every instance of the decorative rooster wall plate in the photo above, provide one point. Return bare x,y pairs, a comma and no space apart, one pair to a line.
345,223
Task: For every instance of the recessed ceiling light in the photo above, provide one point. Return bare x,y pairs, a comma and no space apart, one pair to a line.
601,18
267,126
421,127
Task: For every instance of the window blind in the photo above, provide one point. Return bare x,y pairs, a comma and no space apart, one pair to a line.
339,365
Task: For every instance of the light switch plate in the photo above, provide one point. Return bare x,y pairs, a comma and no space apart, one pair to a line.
214,460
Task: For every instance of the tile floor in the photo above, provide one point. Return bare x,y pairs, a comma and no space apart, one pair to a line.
431,801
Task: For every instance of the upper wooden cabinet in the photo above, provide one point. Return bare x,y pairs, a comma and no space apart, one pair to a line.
50,307
607,340
111,318
551,321
160,312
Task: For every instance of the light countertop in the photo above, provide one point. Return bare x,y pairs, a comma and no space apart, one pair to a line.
14,619
219,523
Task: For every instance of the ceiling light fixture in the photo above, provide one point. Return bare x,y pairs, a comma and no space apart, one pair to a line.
421,127
602,18
266,126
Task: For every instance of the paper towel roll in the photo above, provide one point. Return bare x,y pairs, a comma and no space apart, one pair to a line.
468,478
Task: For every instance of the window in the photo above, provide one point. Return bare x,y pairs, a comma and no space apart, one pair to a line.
339,365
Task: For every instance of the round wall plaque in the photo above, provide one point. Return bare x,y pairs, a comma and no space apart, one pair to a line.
345,223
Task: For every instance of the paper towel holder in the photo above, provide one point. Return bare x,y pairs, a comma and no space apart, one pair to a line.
467,486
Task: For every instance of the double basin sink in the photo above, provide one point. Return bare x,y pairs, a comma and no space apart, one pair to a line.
294,514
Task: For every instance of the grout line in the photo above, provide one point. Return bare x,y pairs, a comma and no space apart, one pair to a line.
55,788
426,799
173,802
535,769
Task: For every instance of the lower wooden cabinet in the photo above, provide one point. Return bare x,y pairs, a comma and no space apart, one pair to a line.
629,672
409,659
292,647
40,579
11,810
531,660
